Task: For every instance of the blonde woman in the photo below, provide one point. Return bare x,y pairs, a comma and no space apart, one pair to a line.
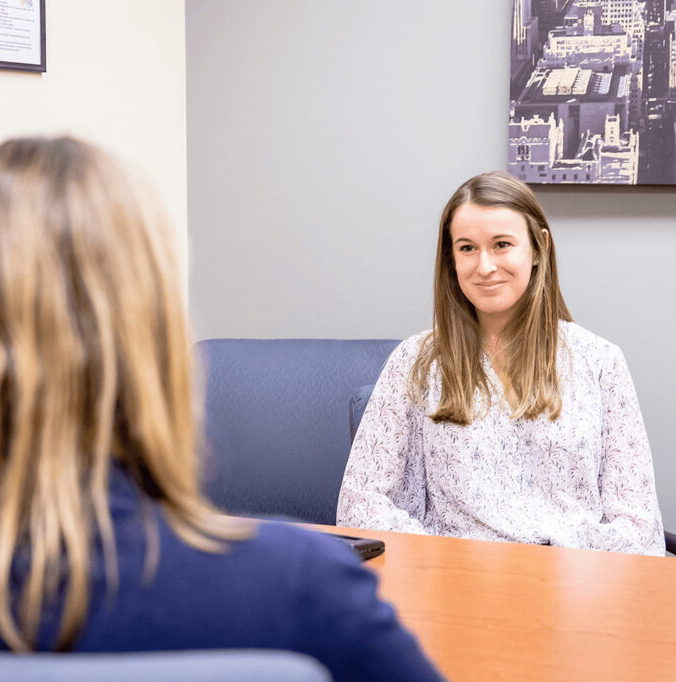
507,421
105,541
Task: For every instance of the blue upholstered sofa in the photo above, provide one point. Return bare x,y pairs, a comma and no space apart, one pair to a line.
277,421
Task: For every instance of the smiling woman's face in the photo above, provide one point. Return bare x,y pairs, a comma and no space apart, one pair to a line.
493,259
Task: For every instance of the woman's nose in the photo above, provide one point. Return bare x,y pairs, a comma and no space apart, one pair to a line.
486,264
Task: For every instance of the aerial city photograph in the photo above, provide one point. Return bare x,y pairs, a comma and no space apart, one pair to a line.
593,92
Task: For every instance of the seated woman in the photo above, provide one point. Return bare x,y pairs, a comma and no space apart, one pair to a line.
507,421
105,541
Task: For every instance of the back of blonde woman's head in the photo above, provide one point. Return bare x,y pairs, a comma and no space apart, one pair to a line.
94,366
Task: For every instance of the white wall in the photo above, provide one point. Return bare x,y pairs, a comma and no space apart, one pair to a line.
116,76
324,138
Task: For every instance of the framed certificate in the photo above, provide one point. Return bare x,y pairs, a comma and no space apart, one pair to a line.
22,35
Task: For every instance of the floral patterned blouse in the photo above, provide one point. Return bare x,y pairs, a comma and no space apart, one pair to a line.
585,480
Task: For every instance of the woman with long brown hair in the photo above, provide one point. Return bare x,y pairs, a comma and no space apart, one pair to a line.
507,421
105,541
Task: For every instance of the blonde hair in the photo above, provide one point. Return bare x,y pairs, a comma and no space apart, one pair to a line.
530,338
94,366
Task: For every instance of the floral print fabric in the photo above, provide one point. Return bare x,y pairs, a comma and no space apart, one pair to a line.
585,480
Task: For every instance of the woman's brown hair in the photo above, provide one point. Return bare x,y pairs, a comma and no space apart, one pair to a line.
528,342
94,367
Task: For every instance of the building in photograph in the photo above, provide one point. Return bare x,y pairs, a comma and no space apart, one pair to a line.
524,31
548,13
536,146
588,42
672,54
623,12
617,153
655,10
581,98
525,44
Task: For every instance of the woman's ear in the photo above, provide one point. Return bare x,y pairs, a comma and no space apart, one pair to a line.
545,236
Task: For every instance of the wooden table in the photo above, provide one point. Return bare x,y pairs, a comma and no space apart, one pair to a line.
504,611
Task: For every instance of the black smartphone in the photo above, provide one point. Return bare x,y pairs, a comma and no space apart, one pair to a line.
362,547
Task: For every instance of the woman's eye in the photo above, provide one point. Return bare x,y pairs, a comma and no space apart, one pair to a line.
502,245
465,248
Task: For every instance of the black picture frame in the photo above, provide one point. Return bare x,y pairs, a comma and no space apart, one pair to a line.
592,93
41,67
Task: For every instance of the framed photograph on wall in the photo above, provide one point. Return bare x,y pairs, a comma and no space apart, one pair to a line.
22,35
593,92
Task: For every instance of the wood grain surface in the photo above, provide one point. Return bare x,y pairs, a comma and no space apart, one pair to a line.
506,611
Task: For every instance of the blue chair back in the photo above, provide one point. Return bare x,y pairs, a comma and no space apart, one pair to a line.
277,432
167,666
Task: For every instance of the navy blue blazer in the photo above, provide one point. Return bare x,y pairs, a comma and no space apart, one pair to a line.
285,588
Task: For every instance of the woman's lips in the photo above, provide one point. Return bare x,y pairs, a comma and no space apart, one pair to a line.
489,285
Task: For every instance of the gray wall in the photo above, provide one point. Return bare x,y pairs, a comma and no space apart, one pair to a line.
324,138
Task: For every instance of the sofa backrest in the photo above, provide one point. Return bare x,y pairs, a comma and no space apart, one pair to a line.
235,665
277,430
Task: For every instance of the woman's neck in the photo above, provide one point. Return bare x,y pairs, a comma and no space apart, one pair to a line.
491,330
494,347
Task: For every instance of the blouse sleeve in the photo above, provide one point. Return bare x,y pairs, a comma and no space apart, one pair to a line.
631,519
384,482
